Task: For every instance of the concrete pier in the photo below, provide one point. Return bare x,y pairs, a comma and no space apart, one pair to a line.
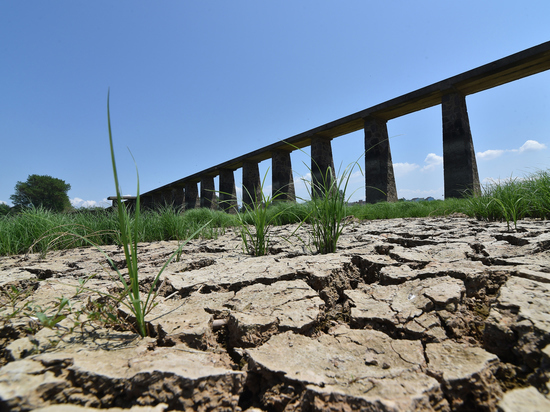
166,198
191,196
379,177
282,182
178,198
228,193
158,199
251,183
322,164
146,202
459,160
208,192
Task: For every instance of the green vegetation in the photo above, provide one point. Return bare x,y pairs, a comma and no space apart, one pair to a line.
10,299
4,209
37,227
514,199
328,208
422,208
42,191
256,221
39,230
128,227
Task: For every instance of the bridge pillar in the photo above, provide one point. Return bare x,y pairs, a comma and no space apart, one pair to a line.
282,182
157,199
228,193
321,163
146,202
131,204
459,160
208,192
166,197
379,177
191,196
251,183
178,197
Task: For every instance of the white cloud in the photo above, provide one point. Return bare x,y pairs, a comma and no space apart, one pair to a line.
528,146
432,161
2,202
306,177
402,169
490,154
532,145
78,202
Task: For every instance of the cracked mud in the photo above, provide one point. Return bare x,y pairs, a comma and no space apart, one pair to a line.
432,314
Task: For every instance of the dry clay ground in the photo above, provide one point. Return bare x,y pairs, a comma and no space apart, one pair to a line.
432,314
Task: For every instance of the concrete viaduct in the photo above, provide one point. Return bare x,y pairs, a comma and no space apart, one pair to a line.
459,162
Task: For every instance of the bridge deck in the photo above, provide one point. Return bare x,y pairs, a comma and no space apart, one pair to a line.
505,70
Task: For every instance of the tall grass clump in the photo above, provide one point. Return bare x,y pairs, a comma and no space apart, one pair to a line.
400,209
328,207
391,210
37,229
19,232
257,219
327,204
287,212
40,230
503,200
537,186
217,219
164,223
129,234
171,223
513,199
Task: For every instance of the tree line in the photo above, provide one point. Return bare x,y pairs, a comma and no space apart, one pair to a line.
39,191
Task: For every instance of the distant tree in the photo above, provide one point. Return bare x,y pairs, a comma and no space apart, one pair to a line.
4,209
46,191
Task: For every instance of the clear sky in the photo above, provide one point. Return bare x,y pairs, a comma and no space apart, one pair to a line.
196,83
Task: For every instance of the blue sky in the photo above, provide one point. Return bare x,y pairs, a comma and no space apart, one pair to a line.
194,84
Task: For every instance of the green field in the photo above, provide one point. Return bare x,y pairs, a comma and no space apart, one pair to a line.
39,230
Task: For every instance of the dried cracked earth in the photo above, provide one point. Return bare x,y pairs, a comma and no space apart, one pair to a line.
431,314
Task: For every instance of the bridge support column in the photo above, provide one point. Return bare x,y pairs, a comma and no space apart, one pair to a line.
228,193
157,200
166,197
379,177
459,160
146,202
178,197
282,182
251,183
208,192
131,204
191,196
321,163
